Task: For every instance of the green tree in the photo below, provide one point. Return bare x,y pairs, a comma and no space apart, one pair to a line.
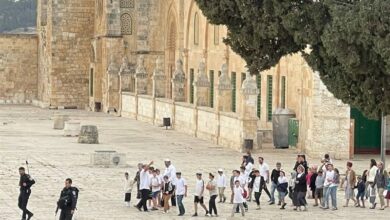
349,42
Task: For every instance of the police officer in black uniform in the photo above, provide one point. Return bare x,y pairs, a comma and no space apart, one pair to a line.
25,184
68,201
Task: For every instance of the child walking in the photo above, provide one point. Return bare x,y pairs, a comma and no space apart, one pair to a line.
238,198
128,187
221,183
282,188
361,187
319,192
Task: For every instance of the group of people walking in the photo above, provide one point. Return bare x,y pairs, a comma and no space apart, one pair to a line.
158,190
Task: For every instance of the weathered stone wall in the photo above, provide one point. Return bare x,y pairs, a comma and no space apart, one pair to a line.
230,130
129,105
71,27
18,68
325,127
184,118
163,109
145,109
207,124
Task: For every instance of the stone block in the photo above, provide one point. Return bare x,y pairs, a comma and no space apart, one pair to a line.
71,128
59,121
108,158
88,135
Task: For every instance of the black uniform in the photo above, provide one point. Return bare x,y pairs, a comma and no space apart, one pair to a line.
25,192
67,202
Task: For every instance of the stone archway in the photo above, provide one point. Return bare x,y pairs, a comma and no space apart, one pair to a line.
170,52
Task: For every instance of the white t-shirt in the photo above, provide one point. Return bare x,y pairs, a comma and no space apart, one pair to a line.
213,191
371,174
128,185
144,180
243,179
248,168
329,176
256,184
199,186
171,173
264,169
180,186
155,183
282,180
221,181
238,198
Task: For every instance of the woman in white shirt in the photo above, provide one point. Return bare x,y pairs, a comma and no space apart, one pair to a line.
212,187
370,190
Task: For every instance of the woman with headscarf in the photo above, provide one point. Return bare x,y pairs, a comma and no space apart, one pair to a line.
301,188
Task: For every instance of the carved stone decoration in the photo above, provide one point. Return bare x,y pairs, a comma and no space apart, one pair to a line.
224,99
126,74
141,77
112,67
159,79
249,102
178,82
202,86
224,82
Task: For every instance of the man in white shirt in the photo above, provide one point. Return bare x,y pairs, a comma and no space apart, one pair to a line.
198,195
181,191
170,171
264,172
329,177
144,186
221,184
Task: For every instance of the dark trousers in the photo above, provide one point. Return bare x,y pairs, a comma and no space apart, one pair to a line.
264,187
245,206
301,200
22,203
173,199
180,204
212,205
257,197
66,214
144,198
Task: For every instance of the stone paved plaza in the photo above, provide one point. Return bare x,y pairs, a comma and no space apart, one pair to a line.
26,133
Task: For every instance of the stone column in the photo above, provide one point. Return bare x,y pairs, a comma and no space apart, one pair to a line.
141,78
113,87
178,82
224,98
202,86
249,108
159,85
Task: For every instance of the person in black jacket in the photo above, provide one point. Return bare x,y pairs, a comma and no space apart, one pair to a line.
301,188
301,160
25,184
274,183
68,200
313,178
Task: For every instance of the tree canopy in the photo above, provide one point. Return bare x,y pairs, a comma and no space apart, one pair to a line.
17,14
349,42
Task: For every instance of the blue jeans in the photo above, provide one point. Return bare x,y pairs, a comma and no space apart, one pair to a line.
180,204
273,188
331,191
325,200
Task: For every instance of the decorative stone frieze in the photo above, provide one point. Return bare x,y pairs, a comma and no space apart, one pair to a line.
141,77
178,82
159,79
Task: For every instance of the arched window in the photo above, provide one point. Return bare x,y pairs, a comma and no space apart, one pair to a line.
127,3
126,24
196,29
216,35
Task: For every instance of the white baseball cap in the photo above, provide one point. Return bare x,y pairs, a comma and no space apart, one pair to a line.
220,170
167,160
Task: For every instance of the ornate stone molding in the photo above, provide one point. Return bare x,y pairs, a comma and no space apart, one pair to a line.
249,86
202,79
140,72
224,80
125,67
158,73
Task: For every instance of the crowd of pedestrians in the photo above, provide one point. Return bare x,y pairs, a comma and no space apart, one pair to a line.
159,190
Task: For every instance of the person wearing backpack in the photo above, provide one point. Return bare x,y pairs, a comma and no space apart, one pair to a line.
25,184
67,201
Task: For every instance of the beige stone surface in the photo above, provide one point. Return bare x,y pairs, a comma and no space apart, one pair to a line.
52,158
18,68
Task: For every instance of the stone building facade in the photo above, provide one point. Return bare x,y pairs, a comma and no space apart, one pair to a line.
151,59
